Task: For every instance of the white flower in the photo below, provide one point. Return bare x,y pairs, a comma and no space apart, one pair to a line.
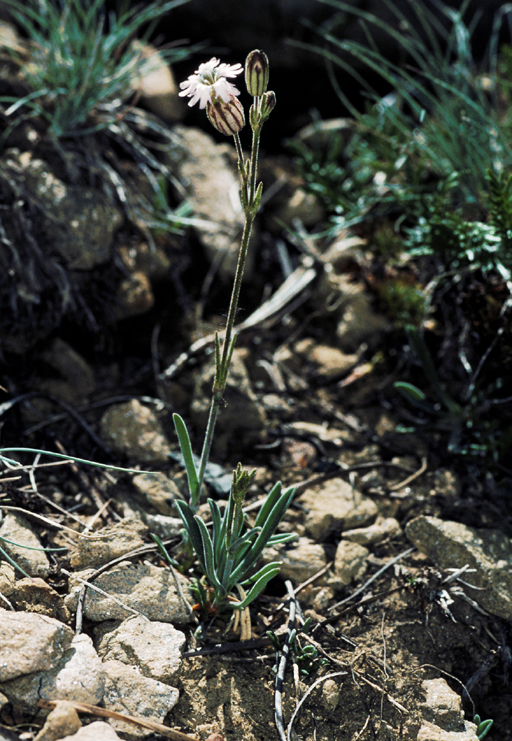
209,83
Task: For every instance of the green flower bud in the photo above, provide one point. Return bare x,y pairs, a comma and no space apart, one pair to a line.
228,118
256,73
268,104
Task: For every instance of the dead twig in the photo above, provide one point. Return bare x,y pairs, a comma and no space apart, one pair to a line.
290,632
412,477
83,707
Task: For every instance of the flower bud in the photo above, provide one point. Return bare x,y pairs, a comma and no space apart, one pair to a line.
228,118
256,73
268,104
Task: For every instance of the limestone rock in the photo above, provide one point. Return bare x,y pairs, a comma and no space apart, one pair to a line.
133,430
146,588
96,731
126,691
153,648
442,705
329,362
379,531
431,732
452,545
77,675
30,643
63,721
7,577
157,86
158,490
335,506
108,543
15,528
350,563
300,559
35,595
303,206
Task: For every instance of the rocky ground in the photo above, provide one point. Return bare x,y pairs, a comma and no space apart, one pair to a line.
403,554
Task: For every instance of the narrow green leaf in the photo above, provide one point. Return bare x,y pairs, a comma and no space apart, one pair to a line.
268,504
163,551
256,589
273,520
188,457
208,557
261,572
411,392
216,525
187,515
279,538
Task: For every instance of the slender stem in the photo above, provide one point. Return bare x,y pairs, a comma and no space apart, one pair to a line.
254,163
222,370
207,446
235,294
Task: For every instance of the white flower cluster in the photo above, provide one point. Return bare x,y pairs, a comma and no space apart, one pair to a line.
209,83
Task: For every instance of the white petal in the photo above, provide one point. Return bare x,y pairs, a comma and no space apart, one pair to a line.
207,66
229,70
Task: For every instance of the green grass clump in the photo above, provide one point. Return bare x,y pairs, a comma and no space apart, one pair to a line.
83,63
445,116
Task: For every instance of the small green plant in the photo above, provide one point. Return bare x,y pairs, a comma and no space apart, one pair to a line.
228,555
83,64
482,726
459,242
307,657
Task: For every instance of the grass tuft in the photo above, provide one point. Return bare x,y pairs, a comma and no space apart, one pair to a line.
82,60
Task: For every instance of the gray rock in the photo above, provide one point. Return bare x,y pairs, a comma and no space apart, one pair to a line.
161,525
153,648
16,528
380,530
145,588
158,490
62,721
213,193
335,506
431,732
242,419
442,705
30,643
300,561
108,543
350,563
7,576
452,545
78,676
156,84
133,430
329,362
126,691
35,595
96,731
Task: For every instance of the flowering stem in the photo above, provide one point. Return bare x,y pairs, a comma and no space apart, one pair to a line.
223,357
